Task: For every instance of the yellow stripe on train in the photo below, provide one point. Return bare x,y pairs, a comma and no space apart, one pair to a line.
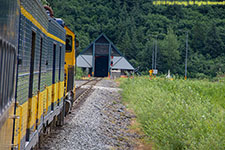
39,26
21,123
6,129
38,106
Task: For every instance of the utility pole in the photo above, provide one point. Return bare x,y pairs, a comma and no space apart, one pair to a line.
186,56
153,49
155,52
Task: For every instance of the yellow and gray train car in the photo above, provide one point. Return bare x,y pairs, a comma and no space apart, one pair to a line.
9,25
37,54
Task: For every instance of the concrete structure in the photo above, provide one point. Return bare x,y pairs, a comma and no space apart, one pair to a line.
101,57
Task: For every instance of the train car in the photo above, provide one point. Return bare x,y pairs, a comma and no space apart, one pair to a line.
70,64
32,73
9,23
42,82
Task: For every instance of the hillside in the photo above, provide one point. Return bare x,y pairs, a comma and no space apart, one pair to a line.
133,25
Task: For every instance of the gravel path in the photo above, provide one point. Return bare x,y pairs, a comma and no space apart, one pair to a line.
80,82
100,123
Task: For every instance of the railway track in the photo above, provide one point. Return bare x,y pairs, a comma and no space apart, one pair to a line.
84,89
97,121
82,92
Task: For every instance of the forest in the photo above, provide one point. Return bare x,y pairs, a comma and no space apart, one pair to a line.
135,26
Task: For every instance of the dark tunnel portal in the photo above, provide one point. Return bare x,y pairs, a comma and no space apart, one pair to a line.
101,66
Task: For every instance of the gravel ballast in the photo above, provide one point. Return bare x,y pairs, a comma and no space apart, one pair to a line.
101,122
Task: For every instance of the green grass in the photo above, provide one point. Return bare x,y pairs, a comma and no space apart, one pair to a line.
178,114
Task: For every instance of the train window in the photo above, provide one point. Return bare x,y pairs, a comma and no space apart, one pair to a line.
4,75
68,43
1,72
11,73
7,64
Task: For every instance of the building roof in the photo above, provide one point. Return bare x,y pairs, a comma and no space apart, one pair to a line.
102,46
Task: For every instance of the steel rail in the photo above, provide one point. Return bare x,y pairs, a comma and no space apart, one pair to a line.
77,88
86,91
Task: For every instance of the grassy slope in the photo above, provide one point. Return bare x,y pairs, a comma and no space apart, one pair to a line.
178,114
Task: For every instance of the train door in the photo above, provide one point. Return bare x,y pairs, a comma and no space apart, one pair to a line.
39,106
60,119
59,84
53,76
39,76
31,103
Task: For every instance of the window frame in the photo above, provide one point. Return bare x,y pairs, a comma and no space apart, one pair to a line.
71,43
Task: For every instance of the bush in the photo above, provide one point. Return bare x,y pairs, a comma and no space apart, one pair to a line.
79,73
178,114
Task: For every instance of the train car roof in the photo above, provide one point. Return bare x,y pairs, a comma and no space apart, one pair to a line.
67,28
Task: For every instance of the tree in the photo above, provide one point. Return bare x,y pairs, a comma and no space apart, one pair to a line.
125,44
214,45
44,2
129,23
169,51
199,37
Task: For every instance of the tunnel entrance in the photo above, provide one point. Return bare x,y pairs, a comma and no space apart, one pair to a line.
101,57
101,66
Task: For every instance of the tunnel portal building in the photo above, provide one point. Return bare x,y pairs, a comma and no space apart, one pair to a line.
102,58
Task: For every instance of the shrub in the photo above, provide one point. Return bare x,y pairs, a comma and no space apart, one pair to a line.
79,73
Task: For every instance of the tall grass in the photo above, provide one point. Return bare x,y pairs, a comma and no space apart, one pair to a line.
179,114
